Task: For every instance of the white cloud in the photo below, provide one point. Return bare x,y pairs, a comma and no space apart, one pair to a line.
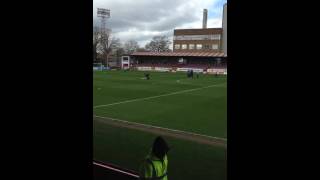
212,23
140,20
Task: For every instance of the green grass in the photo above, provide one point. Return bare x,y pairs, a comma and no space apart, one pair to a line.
187,160
202,111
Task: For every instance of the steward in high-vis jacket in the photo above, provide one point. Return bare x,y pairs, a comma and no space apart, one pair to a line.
155,165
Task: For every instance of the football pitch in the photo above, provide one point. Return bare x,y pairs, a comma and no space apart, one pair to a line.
170,102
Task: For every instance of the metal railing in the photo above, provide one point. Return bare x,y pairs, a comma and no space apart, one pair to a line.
118,171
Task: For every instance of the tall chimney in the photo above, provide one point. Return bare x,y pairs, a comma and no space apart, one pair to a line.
204,22
224,29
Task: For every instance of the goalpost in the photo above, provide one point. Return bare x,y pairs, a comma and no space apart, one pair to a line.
98,66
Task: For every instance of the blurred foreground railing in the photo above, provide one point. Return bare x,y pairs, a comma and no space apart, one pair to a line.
103,170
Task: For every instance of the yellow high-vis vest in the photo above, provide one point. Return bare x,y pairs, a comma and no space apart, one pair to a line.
153,168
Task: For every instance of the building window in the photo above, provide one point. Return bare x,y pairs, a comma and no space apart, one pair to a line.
184,46
177,46
191,46
216,37
214,46
199,46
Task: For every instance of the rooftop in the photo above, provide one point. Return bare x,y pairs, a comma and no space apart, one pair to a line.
180,54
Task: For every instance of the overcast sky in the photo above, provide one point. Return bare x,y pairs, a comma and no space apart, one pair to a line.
140,20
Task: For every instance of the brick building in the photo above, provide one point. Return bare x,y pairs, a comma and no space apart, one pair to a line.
197,40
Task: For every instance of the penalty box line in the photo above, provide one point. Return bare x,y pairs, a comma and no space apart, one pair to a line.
153,97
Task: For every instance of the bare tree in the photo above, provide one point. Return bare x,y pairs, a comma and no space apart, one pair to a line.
131,46
158,44
116,49
115,44
105,44
96,40
118,53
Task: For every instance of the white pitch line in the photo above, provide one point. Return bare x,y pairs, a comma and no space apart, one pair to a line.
180,82
153,97
157,127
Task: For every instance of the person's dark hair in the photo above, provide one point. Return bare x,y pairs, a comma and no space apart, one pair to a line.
160,147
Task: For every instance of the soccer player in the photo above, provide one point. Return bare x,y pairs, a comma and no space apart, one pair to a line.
147,75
